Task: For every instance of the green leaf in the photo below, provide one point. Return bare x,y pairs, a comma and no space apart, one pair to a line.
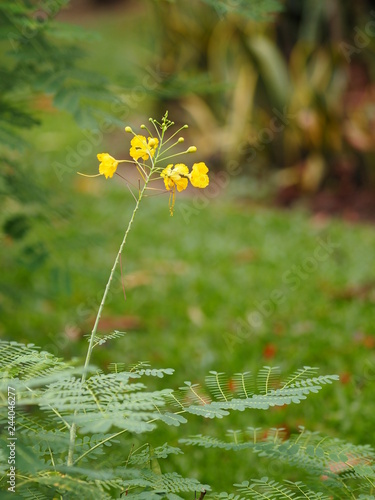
172,419
207,411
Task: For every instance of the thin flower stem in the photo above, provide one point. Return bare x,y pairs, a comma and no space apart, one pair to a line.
167,149
161,141
156,194
176,154
156,189
127,185
149,133
141,165
86,175
156,128
173,135
146,178
73,427
140,172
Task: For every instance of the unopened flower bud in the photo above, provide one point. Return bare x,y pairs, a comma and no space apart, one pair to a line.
128,129
180,139
192,149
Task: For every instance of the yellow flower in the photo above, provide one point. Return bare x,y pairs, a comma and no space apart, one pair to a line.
108,165
198,176
142,148
175,176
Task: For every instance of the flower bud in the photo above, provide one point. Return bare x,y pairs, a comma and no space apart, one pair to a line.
128,129
180,139
192,149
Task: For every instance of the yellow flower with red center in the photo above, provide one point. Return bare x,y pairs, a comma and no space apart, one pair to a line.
142,147
198,176
108,165
175,176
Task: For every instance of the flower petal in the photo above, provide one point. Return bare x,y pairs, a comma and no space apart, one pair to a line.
198,176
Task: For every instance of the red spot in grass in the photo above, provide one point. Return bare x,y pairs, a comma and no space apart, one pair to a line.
345,378
269,351
364,340
369,341
232,385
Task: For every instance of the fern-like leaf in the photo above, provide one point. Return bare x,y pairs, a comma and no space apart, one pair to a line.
143,456
307,372
265,488
218,384
318,455
166,483
268,379
26,361
211,442
243,384
98,340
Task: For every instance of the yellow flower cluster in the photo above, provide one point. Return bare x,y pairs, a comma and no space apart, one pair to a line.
176,176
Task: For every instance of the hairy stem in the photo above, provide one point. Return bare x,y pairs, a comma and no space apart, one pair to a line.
73,428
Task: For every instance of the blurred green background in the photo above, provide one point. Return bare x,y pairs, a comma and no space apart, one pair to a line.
282,108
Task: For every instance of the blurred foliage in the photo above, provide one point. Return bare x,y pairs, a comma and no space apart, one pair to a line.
42,57
298,93
40,70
